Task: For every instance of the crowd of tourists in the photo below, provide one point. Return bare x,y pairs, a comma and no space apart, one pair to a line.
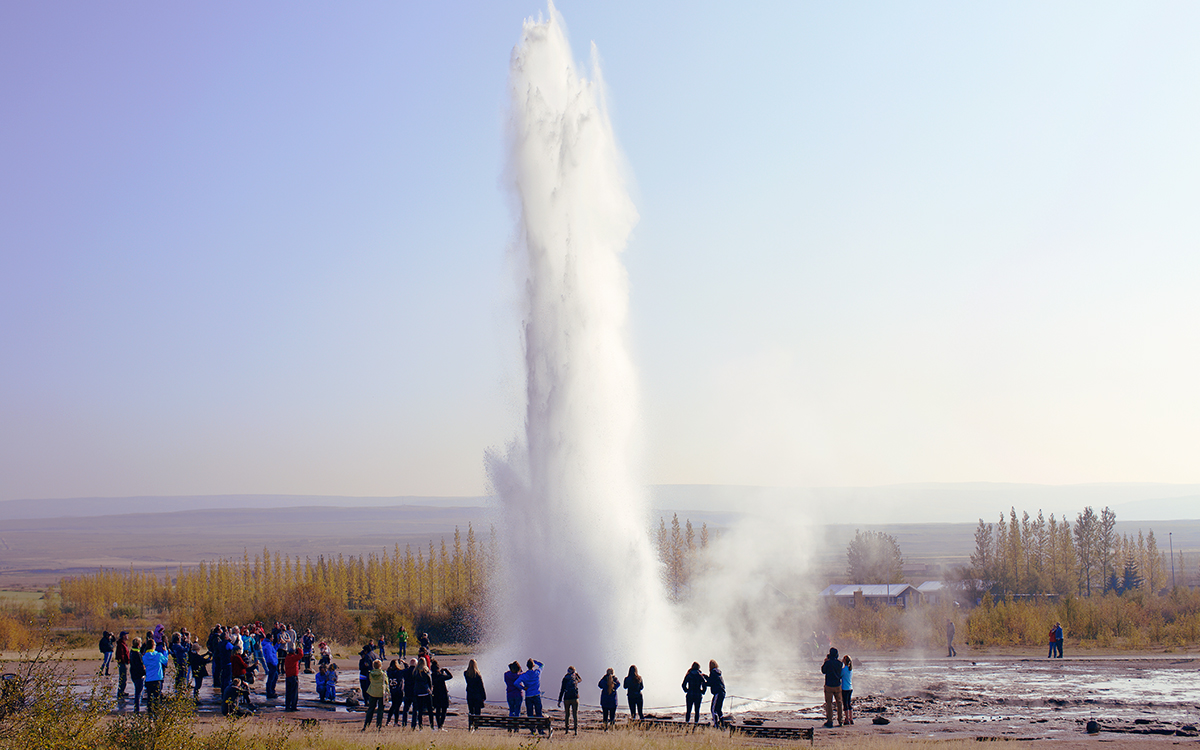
418,690
235,655
412,692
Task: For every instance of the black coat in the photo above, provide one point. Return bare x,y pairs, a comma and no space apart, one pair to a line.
475,690
395,676
633,685
694,682
422,683
410,683
832,669
441,694
570,687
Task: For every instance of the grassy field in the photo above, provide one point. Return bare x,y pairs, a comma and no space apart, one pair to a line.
36,599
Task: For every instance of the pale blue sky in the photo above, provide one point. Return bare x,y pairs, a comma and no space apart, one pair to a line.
252,247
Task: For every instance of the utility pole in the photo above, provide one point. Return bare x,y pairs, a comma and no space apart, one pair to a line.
1171,543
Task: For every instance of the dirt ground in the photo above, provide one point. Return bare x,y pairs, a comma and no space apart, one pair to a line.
1135,698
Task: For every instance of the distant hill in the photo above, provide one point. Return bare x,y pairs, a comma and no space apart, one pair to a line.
116,506
939,503
964,502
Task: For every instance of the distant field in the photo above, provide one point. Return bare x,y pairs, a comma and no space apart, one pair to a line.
37,553
36,598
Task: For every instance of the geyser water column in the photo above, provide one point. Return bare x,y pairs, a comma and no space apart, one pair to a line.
578,580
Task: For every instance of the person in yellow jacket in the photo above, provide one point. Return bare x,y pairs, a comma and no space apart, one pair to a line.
375,687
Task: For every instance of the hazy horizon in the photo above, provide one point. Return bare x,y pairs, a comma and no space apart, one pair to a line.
921,503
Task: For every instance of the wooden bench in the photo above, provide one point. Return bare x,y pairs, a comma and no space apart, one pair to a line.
683,726
775,733
511,723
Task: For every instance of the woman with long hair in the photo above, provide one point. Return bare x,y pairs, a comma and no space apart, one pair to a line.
633,689
476,694
694,685
847,687
422,695
608,697
716,686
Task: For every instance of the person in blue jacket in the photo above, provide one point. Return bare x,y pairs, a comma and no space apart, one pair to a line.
531,682
154,660
270,652
847,687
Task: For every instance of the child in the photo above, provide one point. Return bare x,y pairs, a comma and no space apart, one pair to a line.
847,688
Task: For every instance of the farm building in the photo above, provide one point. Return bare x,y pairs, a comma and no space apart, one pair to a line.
888,594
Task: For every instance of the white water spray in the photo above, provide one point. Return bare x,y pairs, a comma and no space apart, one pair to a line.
579,580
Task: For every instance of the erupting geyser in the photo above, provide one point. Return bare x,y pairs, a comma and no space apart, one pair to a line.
579,580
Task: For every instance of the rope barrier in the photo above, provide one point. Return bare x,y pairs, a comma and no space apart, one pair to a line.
764,700
504,703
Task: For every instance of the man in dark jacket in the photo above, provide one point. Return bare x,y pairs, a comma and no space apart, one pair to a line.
832,669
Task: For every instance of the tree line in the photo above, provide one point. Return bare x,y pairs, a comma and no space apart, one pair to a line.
438,588
680,550
1035,556
440,582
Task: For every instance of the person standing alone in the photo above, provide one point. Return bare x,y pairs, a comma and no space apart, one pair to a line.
950,639
106,651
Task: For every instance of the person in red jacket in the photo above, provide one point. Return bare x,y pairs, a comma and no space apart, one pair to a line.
291,671
239,664
122,663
